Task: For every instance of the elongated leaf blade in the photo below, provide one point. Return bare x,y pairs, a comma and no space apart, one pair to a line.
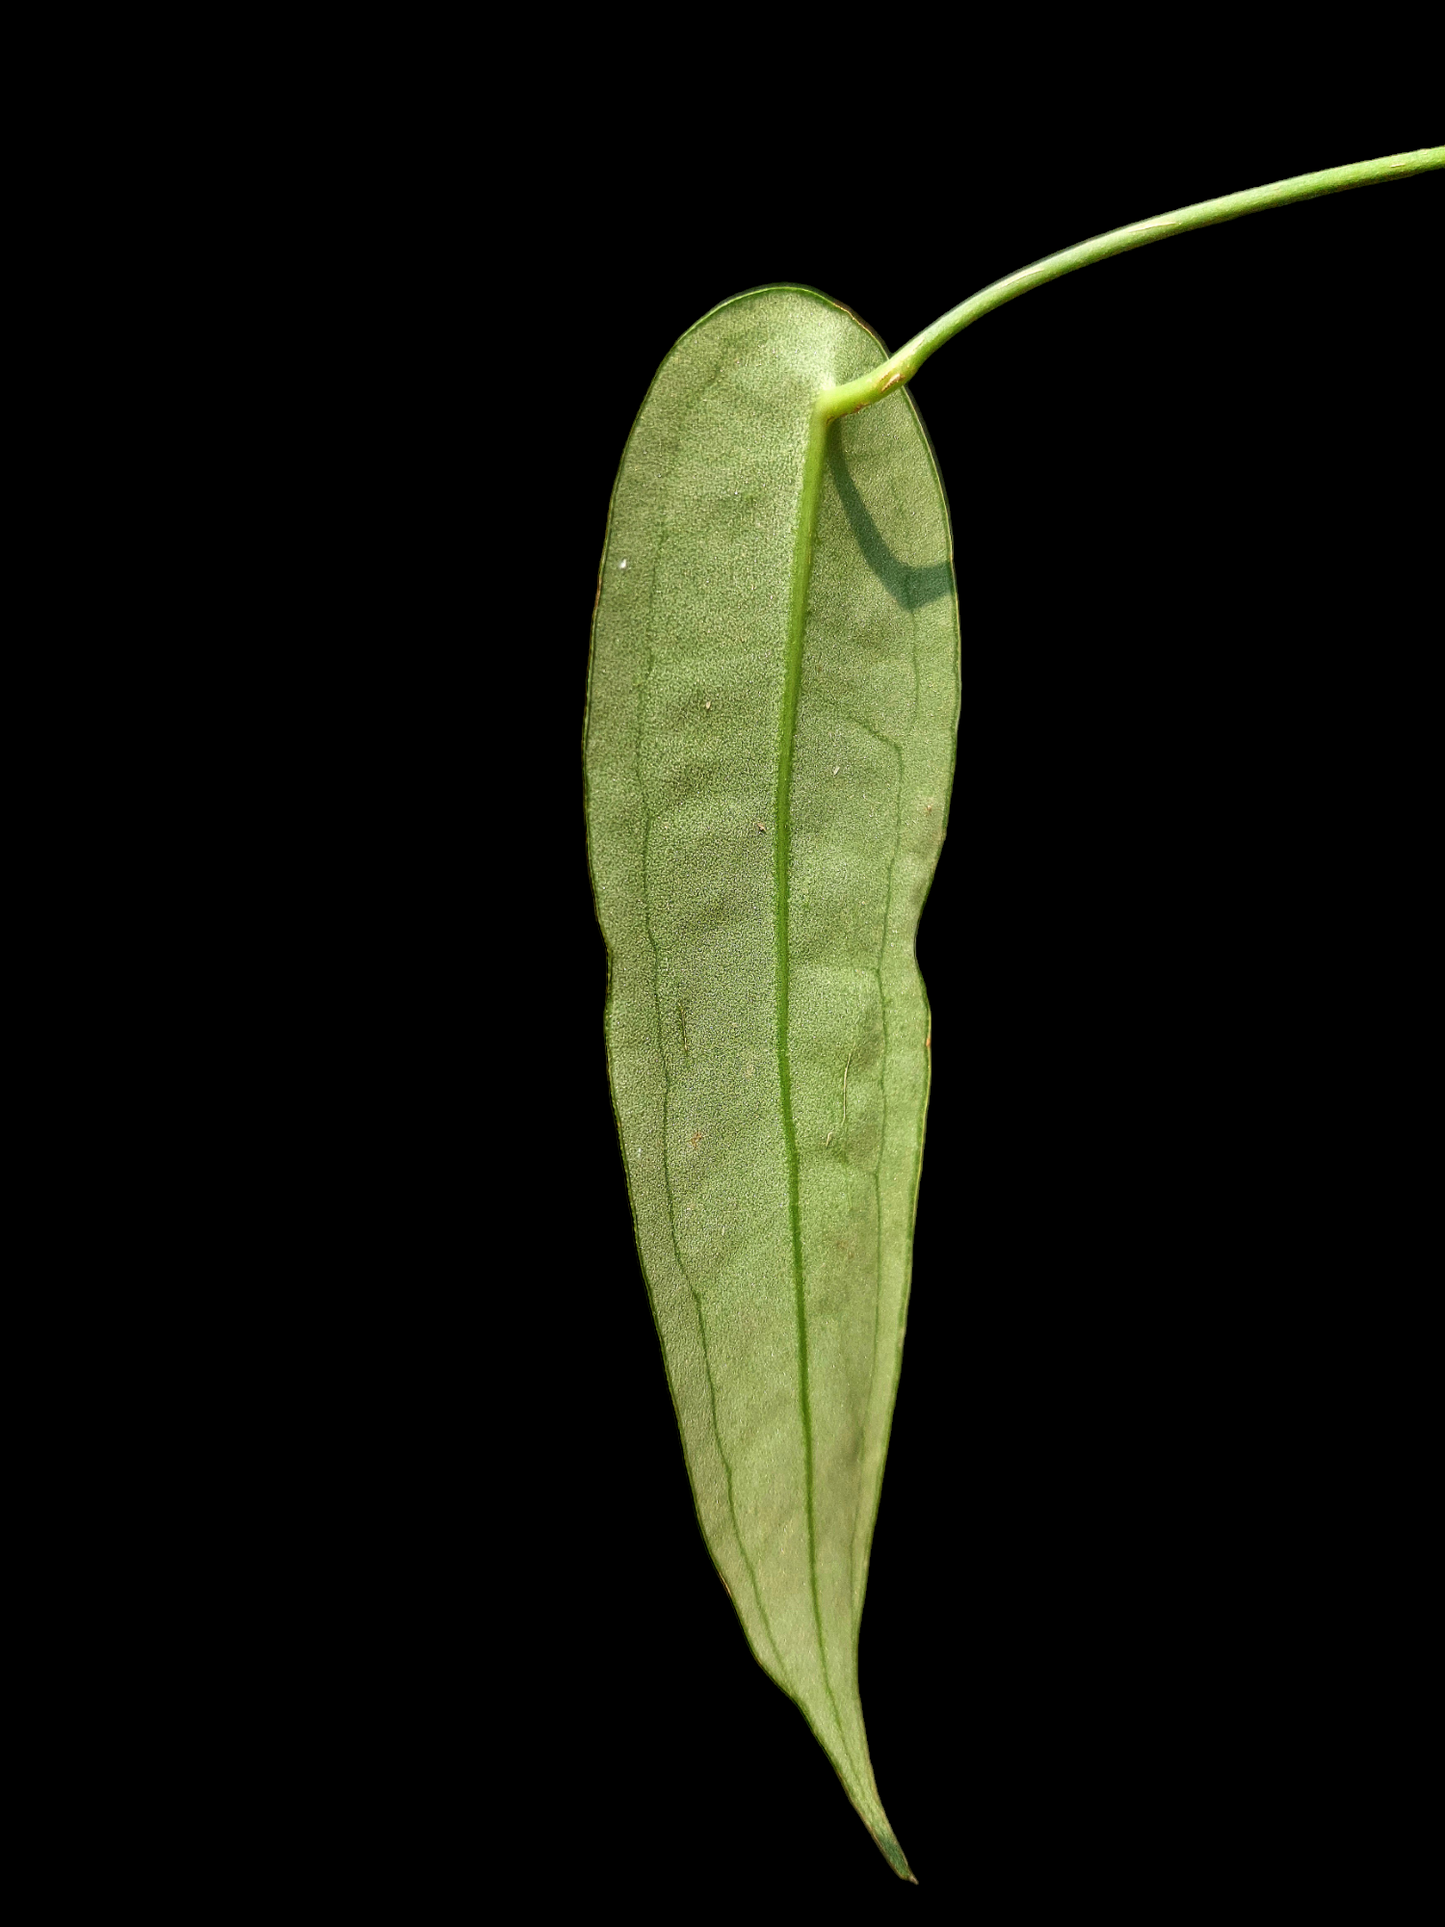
767,1028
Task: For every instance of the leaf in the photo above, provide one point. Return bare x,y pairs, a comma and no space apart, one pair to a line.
762,836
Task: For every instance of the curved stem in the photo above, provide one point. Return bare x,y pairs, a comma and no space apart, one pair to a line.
853,395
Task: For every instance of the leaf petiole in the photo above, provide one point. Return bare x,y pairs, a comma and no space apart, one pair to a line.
903,366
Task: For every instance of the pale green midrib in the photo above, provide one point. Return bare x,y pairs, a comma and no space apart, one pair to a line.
862,1522
782,840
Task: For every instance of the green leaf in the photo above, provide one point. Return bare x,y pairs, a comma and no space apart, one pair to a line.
766,803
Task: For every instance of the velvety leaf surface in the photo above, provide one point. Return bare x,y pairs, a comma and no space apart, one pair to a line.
767,1028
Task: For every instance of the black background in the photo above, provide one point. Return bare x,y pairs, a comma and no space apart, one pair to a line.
1172,951
1168,955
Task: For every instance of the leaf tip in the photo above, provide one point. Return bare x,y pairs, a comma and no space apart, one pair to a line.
888,1846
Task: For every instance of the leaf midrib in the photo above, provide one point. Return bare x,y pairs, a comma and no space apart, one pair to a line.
782,843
